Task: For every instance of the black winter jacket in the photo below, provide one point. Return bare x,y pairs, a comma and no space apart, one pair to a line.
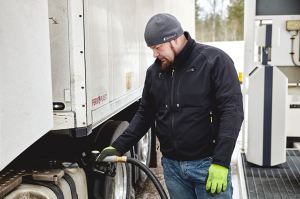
197,106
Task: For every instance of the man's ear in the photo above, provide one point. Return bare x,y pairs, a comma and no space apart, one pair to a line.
175,41
173,45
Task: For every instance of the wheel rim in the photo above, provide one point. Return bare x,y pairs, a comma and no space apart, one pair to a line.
120,182
119,186
144,148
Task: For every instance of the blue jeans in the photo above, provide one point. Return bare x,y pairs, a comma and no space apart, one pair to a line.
187,179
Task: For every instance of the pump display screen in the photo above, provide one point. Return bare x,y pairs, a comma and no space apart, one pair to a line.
277,7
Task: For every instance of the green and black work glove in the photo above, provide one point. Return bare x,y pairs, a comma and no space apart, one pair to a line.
108,151
217,179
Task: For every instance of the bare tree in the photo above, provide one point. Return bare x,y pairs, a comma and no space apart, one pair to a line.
212,22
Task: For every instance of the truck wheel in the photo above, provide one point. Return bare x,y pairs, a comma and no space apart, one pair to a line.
119,186
143,153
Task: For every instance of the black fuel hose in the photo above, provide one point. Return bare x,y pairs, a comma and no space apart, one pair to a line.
125,159
149,173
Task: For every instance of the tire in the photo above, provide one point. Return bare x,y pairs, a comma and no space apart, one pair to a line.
144,154
120,186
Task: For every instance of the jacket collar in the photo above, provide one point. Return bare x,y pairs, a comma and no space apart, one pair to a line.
184,54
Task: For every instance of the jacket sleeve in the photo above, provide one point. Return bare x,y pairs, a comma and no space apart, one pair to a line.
141,121
228,112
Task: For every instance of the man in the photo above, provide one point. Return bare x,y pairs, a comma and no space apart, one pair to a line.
193,93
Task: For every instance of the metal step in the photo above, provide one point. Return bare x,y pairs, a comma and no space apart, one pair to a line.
282,181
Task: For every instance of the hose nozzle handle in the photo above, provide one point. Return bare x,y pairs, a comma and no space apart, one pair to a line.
115,159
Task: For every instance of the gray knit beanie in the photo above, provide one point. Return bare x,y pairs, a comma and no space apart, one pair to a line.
162,28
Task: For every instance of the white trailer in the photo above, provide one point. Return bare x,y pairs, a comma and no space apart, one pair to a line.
71,74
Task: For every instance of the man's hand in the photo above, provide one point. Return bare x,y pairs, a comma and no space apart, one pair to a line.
108,151
217,179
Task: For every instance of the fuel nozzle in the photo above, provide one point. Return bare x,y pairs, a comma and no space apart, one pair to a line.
105,168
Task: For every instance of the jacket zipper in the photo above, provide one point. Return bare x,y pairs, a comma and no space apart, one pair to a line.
172,102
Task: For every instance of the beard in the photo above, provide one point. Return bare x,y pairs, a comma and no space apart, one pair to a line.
165,65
